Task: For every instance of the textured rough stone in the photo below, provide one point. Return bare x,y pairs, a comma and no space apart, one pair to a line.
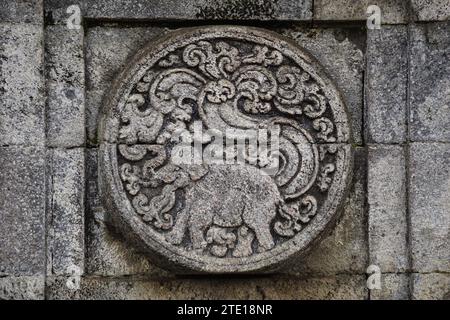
66,206
430,82
393,287
22,211
431,286
341,52
223,78
22,288
431,10
386,85
338,287
22,11
186,9
344,250
106,252
430,206
21,85
104,60
392,11
387,208
65,87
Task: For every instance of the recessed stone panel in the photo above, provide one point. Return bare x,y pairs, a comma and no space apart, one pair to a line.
231,210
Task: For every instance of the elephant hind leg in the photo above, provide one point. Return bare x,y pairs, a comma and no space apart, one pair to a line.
175,236
263,235
265,239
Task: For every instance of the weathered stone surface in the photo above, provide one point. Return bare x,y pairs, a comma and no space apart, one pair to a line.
341,52
22,288
21,85
430,82
107,253
338,287
431,286
224,78
393,287
22,211
387,208
66,207
386,85
104,60
431,10
392,11
65,87
185,9
345,249
22,11
430,206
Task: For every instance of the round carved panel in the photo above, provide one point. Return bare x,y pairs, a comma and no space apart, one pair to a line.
224,149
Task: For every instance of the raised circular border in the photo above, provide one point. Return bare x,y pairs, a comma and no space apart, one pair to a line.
119,208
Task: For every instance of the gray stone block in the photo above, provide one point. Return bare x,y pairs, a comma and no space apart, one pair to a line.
22,211
392,11
393,287
22,288
341,53
65,87
431,10
430,206
107,253
430,80
186,9
21,85
386,85
22,11
66,211
387,208
338,287
431,286
344,250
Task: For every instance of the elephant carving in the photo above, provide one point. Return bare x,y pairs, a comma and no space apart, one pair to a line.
229,196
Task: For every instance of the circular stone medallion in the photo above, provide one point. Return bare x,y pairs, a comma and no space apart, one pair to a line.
224,149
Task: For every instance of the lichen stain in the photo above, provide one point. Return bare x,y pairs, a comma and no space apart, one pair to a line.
238,9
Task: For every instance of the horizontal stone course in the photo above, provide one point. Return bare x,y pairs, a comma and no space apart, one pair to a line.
297,10
392,11
339,287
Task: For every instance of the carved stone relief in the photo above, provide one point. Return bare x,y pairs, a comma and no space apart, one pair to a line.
224,216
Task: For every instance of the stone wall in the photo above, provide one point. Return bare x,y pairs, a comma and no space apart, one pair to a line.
54,242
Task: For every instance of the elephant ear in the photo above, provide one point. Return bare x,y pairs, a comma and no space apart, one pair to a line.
173,89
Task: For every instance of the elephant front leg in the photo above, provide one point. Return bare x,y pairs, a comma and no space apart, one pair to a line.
198,239
244,244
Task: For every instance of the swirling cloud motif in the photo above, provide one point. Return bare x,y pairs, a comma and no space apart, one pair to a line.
225,87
